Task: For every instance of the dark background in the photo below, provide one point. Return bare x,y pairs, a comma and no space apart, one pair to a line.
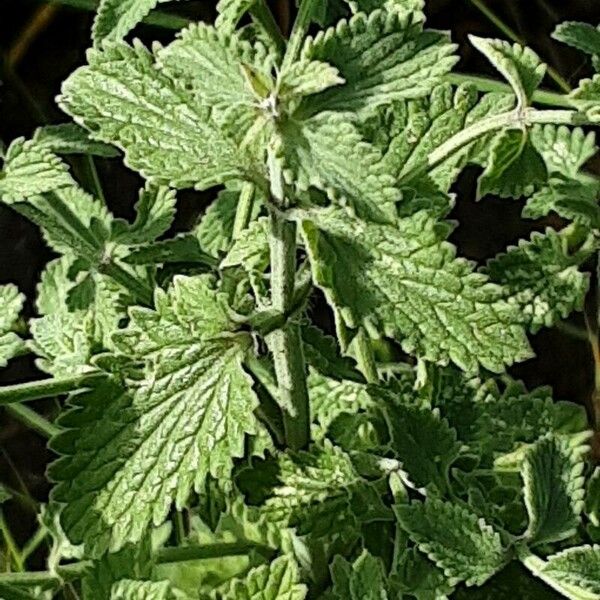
41,44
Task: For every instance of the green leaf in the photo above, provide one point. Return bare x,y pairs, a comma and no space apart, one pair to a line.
230,12
187,415
327,152
514,167
330,398
578,569
406,282
215,230
11,304
553,489
307,77
321,494
70,138
363,580
423,442
192,152
564,150
382,57
520,66
583,36
183,249
251,249
214,67
572,199
541,276
279,580
587,98
455,539
155,212
116,18
129,589
30,169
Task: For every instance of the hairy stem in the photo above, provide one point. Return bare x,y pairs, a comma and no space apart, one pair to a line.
515,37
74,571
140,290
513,119
286,343
36,390
486,84
158,18
33,420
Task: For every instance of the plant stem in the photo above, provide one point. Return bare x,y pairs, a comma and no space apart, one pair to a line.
513,119
299,31
243,212
33,420
11,545
515,37
486,84
158,18
76,570
286,343
46,388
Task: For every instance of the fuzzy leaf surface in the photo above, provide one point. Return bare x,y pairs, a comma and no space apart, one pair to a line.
124,99
382,57
578,568
185,416
11,304
363,580
554,489
406,281
542,277
455,539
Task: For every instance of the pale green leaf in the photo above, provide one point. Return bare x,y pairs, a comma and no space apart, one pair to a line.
116,18
328,152
70,138
215,230
554,489
564,150
578,569
587,98
187,415
11,304
363,580
183,249
30,169
455,539
230,12
280,580
218,70
124,99
128,589
583,36
541,276
403,7
406,281
306,77
382,57
320,493
519,65
572,199
155,212
514,167
330,398
251,249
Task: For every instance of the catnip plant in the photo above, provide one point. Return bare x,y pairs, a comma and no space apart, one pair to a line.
215,442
